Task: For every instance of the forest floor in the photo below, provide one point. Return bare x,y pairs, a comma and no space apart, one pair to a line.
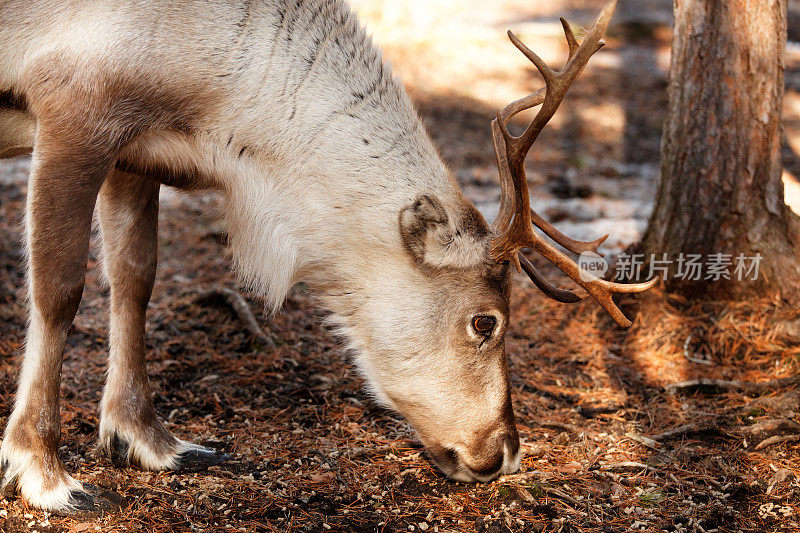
615,437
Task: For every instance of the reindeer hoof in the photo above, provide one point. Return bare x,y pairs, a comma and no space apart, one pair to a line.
199,458
190,458
91,501
118,451
8,487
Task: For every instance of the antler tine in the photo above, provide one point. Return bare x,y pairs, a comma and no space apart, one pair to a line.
571,40
544,69
511,150
506,209
559,295
507,195
530,101
552,98
577,247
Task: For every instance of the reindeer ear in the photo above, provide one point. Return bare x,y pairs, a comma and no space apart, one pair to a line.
424,227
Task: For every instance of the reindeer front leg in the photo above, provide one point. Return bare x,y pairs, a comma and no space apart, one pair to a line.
64,183
129,428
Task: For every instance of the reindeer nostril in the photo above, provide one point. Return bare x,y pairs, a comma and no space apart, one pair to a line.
489,468
450,457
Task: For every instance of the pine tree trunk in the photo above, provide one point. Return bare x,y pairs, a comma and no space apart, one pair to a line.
720,189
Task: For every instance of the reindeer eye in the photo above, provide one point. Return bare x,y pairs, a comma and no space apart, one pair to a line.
483,324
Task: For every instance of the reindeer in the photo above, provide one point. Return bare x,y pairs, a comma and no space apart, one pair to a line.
328,177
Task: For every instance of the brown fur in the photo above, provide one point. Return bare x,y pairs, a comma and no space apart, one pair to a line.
59,225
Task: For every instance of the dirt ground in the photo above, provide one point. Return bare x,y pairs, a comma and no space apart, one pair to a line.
615,436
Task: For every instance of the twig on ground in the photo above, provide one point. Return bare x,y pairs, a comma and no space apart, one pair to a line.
548,392
524,494
241,309
524,477
561,495
769,427
781,475
682,481
760,387
692,357
687,429
627,465
557,494
777,439
641,439
553,492
569,428
785,403
592,410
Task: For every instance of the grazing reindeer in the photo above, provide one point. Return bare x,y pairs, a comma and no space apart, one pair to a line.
328,177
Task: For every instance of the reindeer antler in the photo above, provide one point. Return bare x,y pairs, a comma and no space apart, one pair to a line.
515,219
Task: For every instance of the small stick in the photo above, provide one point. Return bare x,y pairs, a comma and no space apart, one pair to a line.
641,439
694,427
569,428
692,358
523,477
547,392
626,465
777,439
561,495
773,425
241,309
524,494
764,386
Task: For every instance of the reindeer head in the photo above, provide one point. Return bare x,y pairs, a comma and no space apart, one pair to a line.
455,389
428,328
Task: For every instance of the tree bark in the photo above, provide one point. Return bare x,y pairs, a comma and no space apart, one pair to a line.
720,189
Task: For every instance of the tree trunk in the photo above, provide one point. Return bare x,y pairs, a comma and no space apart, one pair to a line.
720,190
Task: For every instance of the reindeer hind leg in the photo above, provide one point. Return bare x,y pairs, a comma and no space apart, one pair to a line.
130,430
